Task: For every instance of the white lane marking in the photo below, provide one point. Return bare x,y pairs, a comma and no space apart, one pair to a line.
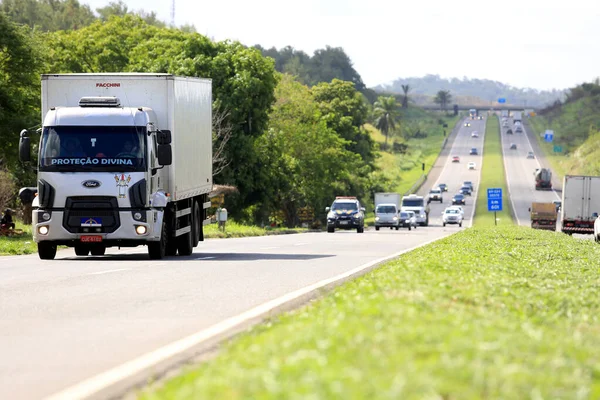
516,213
300,244
205,258
109,271
94,384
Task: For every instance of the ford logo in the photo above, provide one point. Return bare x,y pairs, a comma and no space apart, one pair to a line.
91,184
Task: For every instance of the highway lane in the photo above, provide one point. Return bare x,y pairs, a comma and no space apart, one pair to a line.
454,174
519,174
67,320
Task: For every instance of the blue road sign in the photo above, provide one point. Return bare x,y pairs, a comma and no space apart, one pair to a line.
501,100
494,196
494,204
494,193
549,136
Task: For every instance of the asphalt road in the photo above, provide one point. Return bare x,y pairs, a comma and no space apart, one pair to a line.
455,173
519,174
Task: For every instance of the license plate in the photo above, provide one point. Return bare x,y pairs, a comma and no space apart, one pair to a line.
91,238
344,222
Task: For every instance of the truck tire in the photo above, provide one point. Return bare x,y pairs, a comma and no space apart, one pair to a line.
46,251
184,244
196,224
376,228
360,229
460,224
397,227
82,250
409,228
444,224
157,250
330,229
98,250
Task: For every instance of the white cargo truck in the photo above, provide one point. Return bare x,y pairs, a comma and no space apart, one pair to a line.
387,207
417,204
580,203
124,160
516,115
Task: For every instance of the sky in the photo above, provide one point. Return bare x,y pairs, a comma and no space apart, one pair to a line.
538,44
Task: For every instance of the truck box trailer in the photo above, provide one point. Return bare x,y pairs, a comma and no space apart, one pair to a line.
543,216
124,160
580,203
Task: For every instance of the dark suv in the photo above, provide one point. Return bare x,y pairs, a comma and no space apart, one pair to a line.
345,213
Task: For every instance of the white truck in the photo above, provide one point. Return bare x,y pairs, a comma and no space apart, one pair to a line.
387,207
580,203
417,204
124,160
516,115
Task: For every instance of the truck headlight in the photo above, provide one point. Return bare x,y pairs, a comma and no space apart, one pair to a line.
141,229
395,218
376,218
43,230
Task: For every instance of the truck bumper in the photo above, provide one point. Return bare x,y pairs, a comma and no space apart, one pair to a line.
126,235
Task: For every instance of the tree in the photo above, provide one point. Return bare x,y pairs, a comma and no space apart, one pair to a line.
20,66
443,97
48,15
405,90
385,110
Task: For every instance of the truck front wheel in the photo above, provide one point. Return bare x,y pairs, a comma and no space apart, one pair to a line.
157,250
82,250
46,251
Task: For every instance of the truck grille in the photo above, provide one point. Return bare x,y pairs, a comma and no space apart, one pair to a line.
104,209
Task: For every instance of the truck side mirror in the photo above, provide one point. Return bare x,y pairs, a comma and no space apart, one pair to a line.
362,209
326,208
165,154
163,137
24,146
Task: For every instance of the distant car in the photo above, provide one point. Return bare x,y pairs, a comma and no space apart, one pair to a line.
459,198
479,117
407,219
455,159
435,194
469,184
475,134
467,124
513,146
509,131
443,187
471,165
346,212
518,129
530,155
466,190
451,215
473,152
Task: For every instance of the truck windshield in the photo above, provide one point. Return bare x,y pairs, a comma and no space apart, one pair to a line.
93,148
412,203
386,209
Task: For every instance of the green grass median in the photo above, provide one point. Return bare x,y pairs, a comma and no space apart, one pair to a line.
488,313
492,176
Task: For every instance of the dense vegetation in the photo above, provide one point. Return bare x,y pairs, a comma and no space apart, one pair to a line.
472,91
576,126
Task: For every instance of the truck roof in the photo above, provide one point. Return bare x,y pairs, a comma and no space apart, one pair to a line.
77,116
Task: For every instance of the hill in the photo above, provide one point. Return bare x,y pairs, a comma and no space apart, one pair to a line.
480,91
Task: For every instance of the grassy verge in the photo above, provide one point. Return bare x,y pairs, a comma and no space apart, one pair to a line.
492,176
488,313
558,161
233,229
16,245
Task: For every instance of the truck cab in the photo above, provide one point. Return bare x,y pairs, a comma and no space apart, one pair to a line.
417,204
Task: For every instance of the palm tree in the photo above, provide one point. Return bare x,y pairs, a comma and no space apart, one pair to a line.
385,110
405,88
443,97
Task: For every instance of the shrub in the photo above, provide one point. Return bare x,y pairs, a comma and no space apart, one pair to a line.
8,189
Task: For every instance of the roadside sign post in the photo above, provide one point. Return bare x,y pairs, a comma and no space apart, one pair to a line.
494,197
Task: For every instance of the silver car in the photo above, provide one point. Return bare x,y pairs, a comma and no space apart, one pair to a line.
386,215
408,219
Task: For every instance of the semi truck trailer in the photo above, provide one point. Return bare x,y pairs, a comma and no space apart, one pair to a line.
123,160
